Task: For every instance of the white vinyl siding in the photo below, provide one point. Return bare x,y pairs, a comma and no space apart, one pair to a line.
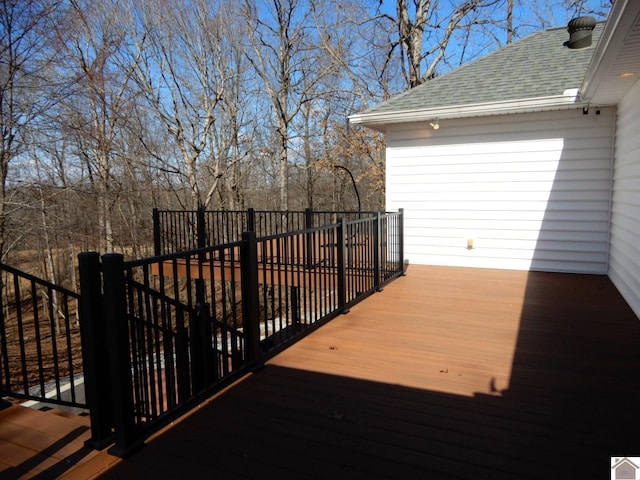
532,191
624,268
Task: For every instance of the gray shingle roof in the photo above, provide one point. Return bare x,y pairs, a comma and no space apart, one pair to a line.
538,65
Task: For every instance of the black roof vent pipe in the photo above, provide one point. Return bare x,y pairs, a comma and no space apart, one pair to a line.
580,30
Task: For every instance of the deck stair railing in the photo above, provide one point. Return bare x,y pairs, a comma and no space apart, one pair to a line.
182,325
40,351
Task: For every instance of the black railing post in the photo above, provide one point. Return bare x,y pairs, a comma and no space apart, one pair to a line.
342,271
402,266
94,351
117,333
308,225
201,228
182,358
251,220
201,349
201,243
4,355
250,298
308,218
295,307
157,243
377,254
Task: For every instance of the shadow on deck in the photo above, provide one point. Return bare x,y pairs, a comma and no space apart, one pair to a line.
39,444
449,373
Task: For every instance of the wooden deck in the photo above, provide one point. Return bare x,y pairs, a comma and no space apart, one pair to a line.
448,373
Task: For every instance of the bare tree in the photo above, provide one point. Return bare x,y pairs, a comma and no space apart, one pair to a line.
357,39
98,107
233,137
589,7
425,30
509,21
24,53
178,60
277,36
524,17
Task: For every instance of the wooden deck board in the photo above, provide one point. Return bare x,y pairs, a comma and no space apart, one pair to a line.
44,444
448,373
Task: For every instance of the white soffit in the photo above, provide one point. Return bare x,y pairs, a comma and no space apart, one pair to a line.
615,66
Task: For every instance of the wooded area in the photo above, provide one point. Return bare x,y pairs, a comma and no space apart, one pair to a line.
111,108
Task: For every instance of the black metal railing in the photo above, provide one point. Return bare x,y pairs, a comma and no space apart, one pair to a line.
297,274
173,326
40,346
180,230
182,325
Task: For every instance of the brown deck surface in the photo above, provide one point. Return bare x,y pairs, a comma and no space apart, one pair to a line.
36,444
448,373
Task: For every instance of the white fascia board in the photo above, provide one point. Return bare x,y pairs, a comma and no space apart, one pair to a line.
621,19
378,121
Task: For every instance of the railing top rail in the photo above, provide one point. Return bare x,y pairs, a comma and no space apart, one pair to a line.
176,303
302,231
355,212
375,214
363,212
39,281
175,211
183,254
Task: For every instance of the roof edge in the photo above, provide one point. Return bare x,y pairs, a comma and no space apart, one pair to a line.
379,121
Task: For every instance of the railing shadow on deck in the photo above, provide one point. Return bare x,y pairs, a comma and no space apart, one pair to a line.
54,469
179,327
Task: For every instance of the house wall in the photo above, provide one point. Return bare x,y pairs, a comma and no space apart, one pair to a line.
531,191
624,268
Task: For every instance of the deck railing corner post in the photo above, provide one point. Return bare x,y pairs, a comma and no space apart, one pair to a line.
342,269
401,240
118,344
201,227
250,298
95,359
308,217
377,253
157,241
201,348
308,238
251,220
